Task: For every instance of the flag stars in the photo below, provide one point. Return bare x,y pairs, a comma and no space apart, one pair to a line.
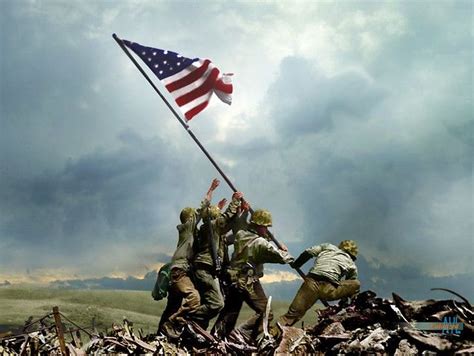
143,53
149,59
161,72
165,52
156,65
154,53
178,64
164,62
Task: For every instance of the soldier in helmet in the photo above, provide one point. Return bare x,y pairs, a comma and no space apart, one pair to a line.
210,253
183,298
333,276
251,250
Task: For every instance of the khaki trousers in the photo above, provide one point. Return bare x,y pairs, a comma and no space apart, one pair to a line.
212,300
255,298
312,290
183,297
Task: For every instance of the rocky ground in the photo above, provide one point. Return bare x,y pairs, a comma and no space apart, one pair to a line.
368,324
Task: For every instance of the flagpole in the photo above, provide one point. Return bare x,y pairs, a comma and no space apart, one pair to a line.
188,130
185,126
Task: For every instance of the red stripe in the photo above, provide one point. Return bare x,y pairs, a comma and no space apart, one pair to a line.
196,110
203,89
188,79
226,88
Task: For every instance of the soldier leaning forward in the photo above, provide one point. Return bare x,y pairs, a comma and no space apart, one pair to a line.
210,249
251,251
333,276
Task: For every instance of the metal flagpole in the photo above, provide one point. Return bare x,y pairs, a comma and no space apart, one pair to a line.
188,130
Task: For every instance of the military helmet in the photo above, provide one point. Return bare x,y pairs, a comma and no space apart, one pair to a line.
186,214
213,211
350,247
261,217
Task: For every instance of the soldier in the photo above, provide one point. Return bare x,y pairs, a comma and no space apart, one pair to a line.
325,280
251,251
210,251
183,298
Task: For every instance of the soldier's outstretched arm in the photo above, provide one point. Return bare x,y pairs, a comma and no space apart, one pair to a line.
307,254
214,184
301,260
267,253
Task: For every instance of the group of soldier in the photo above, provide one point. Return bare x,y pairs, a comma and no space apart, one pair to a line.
206,282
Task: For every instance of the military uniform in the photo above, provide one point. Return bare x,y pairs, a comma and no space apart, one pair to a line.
204,269
333,276
183,298
251,251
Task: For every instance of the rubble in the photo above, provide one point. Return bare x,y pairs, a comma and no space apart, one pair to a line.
405,348
369,324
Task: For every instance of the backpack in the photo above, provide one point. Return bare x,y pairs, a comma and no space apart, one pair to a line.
162,284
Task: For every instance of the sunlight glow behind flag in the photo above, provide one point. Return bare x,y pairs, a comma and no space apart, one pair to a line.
191,82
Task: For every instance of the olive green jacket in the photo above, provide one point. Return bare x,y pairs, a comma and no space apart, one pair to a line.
220,226
256,250
183,255
332,263
184,250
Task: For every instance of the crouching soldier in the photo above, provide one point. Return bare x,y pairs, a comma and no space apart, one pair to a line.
183,298
333,276
251,251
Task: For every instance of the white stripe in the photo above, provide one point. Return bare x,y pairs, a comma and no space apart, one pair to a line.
226,98
184,72
192,104
196,84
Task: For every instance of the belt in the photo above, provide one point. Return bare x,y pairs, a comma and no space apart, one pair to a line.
320,278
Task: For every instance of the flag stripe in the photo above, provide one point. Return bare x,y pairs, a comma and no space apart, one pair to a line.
220,85
203,89
193,66
196,84
190,114
191,82
191,77
198,101
225,97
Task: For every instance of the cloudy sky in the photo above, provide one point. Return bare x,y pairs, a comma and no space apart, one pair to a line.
350,120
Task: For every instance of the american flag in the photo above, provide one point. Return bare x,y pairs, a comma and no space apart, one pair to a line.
191,82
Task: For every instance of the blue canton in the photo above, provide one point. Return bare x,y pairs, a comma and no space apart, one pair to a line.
162,62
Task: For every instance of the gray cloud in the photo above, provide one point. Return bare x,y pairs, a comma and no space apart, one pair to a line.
308,100
383,165
102,199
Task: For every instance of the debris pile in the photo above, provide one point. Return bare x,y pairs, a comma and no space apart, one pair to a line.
375,325
367,325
